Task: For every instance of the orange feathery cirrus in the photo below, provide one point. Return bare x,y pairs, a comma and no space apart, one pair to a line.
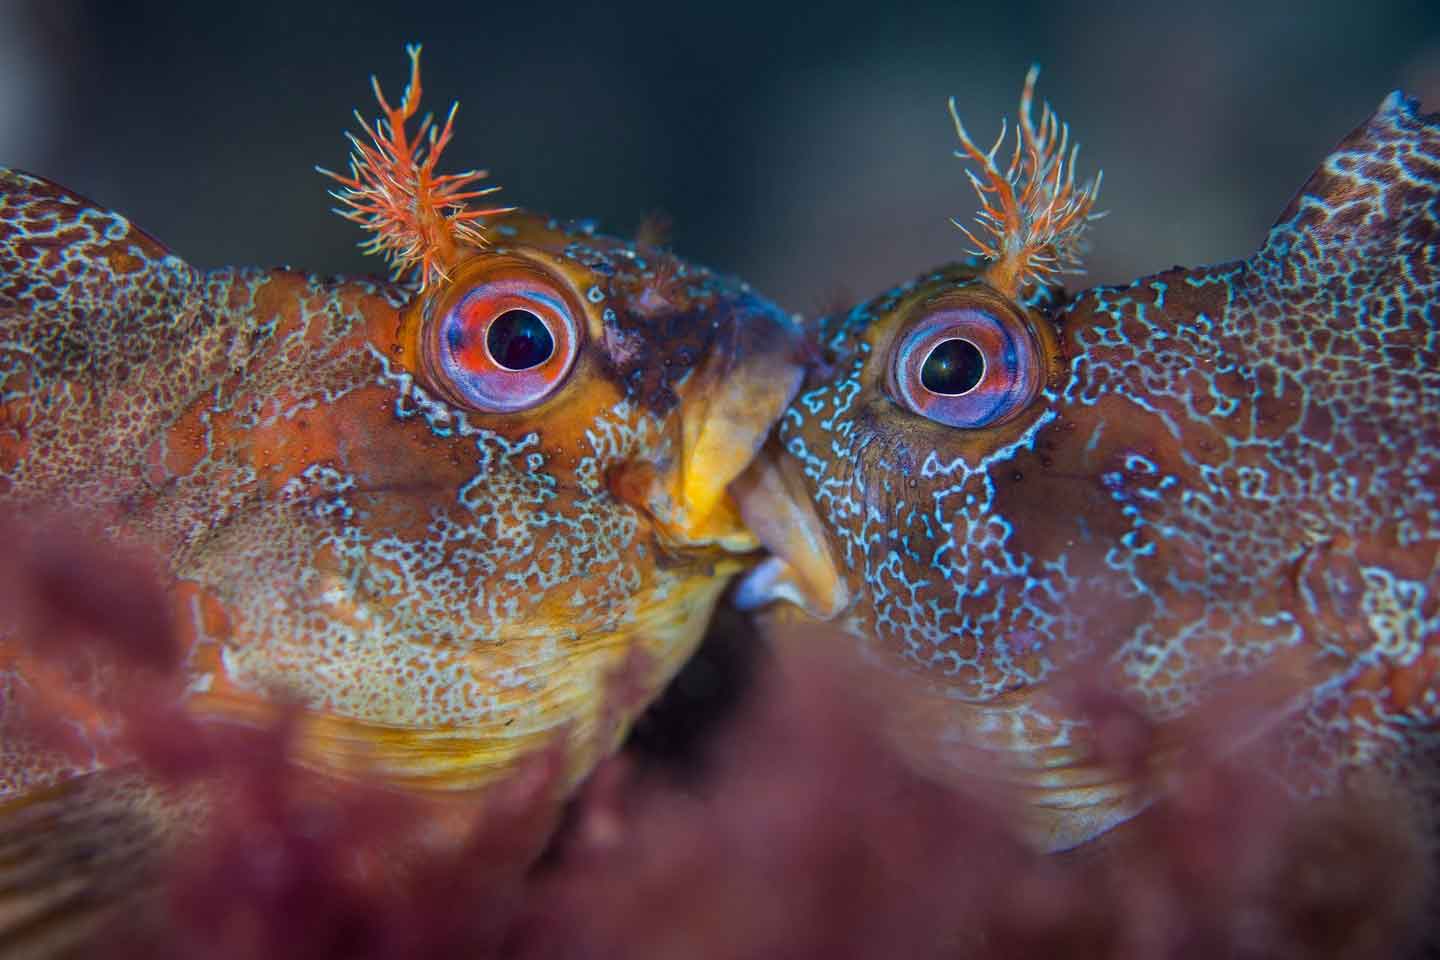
418,218
1033,210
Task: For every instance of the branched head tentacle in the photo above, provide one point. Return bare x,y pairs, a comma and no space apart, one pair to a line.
418,218
1032,211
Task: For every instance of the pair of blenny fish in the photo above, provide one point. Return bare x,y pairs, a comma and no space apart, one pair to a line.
444,515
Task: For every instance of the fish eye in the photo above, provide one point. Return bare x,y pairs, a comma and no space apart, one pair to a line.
965,366
505,345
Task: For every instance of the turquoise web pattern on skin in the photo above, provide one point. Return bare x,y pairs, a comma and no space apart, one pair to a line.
1229,470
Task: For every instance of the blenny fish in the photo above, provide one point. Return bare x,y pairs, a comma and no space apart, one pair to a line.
438,513
1203,476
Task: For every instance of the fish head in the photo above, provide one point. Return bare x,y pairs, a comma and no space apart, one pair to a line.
456,518
496,498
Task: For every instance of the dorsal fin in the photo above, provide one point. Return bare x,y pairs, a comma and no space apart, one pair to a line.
62,255
90,308
1377,194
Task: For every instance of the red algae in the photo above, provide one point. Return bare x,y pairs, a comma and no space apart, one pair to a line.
810,835
790,825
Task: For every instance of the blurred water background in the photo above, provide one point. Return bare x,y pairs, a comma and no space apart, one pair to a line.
806,148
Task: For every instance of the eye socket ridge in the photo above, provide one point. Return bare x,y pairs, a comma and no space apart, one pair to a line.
505,344
966,366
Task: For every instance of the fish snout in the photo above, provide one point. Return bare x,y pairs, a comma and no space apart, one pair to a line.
802,568
734,369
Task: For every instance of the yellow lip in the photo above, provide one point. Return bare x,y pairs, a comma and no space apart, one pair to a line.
727,409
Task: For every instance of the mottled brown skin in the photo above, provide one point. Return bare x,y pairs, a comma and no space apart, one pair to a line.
444,590
1228,473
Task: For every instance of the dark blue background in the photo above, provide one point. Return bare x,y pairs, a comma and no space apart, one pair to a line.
805,148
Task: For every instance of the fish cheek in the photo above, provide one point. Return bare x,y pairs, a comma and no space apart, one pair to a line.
1098,496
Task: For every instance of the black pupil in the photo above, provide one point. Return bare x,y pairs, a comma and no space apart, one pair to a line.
519,340
953,367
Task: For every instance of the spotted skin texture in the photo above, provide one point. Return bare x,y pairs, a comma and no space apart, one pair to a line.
444,590
1229,472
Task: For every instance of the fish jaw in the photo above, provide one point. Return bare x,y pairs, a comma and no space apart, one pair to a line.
576,695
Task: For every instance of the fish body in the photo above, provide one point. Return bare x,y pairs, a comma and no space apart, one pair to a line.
1204,477
441,515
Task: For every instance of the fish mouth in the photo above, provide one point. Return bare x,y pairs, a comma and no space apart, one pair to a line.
728,407
802,569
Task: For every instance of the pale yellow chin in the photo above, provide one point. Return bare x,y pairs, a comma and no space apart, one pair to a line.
580,695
